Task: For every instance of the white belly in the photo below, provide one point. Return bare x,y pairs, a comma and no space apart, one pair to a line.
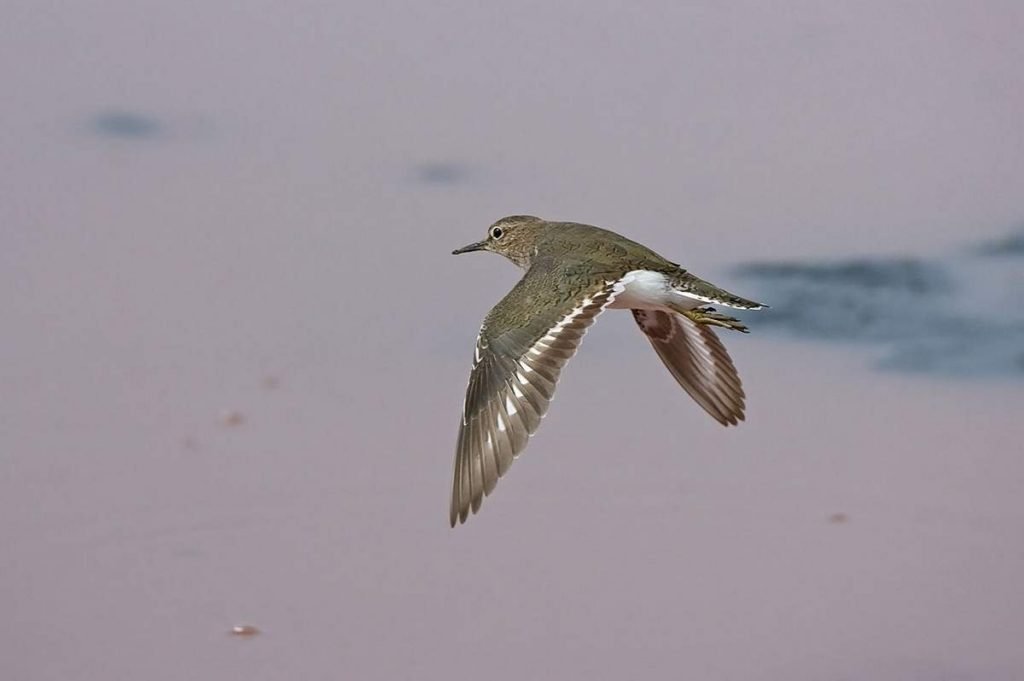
647,290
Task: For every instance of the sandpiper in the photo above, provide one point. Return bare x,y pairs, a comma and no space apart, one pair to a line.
573,273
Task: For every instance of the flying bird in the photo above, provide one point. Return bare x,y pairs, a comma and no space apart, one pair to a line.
574,272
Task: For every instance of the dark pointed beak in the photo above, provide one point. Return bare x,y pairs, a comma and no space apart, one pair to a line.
478,246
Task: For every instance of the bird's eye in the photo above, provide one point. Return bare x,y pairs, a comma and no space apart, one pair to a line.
496,233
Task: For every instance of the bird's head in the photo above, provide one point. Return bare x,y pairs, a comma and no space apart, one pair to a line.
514,237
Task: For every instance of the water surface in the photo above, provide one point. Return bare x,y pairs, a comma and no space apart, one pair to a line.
235,344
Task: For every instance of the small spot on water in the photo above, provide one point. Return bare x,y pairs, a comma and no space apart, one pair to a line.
442,173
232,419
244,631
126,125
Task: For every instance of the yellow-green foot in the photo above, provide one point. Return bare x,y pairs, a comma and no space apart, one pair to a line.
708,315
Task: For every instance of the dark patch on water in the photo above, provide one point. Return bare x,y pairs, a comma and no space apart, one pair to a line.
1008,245
953,316
862,299
442,173
904,274
126,125
978,350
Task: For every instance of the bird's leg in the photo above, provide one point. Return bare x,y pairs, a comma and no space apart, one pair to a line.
707,315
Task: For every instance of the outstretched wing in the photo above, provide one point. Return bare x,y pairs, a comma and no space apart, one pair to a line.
697,360
522,346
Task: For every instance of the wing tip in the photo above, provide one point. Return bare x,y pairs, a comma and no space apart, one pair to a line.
734,419
459,513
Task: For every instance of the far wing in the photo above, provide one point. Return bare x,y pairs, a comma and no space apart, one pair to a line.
697,360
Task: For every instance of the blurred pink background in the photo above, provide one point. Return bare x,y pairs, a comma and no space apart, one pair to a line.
235,343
